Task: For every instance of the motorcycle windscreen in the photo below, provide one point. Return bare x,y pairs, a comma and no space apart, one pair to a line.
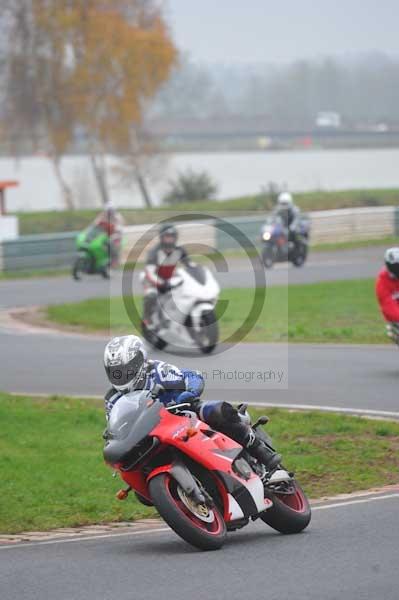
132,418
130,412
197,272
92,233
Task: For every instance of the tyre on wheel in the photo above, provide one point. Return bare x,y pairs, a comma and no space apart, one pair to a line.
143,500
300,255
209,334
105,273
152,338
198,525
290,513
268,256
78,267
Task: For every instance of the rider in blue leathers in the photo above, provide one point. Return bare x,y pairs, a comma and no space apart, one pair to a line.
127,368
173,385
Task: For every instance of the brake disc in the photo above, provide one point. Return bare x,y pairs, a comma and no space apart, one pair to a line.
201,511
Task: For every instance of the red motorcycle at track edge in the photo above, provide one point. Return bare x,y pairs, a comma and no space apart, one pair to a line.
201,482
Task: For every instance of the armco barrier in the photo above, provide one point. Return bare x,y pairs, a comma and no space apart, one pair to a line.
39,252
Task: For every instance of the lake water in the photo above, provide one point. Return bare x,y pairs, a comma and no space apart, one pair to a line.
237,174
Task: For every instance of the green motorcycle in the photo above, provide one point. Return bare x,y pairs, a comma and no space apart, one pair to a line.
93,253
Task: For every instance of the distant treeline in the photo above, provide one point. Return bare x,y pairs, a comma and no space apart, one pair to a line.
363,89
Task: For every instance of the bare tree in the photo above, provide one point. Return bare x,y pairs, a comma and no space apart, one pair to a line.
143,164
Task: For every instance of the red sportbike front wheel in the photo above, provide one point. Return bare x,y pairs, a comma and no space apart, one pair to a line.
197,524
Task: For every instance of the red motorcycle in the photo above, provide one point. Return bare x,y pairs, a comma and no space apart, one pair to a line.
201,482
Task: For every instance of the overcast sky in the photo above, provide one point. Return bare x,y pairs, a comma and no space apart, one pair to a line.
230,31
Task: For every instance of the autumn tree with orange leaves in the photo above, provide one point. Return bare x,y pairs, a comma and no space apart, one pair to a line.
90,65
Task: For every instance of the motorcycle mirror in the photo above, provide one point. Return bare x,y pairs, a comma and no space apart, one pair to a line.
261,421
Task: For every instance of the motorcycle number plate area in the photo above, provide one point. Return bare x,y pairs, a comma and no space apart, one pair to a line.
235,512
256,489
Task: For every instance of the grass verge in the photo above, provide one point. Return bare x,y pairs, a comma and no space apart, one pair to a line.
335,312
56,221
35,273
53,474
383,242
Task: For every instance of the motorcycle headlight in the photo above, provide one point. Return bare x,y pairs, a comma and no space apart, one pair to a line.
266,236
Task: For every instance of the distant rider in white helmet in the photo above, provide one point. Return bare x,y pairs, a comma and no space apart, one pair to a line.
288,212
128,369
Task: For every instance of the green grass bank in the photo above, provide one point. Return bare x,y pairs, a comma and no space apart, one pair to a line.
56,221
53,473
330,312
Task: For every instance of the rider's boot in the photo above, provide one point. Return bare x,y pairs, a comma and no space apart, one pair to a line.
255,445
224,417
149,306
262,452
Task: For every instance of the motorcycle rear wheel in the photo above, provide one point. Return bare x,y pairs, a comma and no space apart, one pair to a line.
167,498
105,273
79,266
289,513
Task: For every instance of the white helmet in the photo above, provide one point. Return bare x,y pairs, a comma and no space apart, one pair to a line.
285,199
392,261
124,360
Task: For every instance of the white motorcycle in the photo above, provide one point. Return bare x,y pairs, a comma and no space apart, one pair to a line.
185,316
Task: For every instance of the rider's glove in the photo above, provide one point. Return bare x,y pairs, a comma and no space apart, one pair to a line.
393,331
157,389
165,287
186,397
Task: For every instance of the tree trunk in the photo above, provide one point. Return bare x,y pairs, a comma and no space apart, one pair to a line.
144,190
65,189
101,178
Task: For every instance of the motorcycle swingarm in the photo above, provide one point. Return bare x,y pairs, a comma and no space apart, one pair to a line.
182,475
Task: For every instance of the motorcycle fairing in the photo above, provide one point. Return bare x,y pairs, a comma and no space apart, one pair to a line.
184,297
249,495
183,477
217,454
242,497
126,437
197,312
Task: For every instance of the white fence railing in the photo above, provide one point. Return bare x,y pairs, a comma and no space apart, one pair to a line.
139,239
352,224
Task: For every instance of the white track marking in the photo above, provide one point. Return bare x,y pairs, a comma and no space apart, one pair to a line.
87,538
168,530
350,502
337,409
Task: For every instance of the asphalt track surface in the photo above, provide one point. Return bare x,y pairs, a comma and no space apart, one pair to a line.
349,552
357,377
322,266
